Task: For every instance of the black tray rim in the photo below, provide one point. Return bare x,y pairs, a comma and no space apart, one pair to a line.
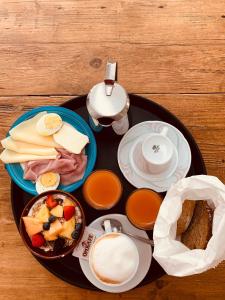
146,100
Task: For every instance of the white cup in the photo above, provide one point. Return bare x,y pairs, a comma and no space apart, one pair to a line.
106,266
158,151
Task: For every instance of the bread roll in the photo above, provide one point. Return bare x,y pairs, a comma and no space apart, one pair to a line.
200,229
186,216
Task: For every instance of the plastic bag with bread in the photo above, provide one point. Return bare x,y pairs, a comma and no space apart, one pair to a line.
200,244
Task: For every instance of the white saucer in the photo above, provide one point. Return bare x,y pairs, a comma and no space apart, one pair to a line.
145,254
140,167
156,184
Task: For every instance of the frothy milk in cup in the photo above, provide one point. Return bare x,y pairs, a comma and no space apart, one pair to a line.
114,259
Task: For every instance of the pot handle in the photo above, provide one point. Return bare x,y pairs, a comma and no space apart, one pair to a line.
110,77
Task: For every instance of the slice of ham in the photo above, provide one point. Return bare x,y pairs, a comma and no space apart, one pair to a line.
70,166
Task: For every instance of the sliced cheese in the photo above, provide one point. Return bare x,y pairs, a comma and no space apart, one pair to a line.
21,147
71,139
9,156
26,132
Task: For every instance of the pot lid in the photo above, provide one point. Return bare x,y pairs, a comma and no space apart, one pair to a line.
110,105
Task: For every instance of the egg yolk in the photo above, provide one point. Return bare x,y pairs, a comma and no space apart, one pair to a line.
48,179
52,121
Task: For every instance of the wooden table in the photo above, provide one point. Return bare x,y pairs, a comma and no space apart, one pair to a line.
171,51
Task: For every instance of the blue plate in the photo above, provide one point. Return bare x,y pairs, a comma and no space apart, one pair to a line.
16,172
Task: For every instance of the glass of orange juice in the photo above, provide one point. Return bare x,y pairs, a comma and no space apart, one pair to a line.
102,189
142,208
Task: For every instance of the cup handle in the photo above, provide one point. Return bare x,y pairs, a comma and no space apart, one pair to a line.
164,131
107,226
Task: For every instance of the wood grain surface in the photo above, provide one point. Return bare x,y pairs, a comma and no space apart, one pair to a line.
170,51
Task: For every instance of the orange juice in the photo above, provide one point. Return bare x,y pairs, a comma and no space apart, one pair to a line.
142,208
102,189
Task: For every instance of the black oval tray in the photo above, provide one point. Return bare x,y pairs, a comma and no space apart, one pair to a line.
68,268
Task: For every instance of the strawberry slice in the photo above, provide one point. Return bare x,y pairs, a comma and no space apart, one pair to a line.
51,202
37,240
68,212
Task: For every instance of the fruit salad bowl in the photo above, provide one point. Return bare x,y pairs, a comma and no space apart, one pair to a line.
52,224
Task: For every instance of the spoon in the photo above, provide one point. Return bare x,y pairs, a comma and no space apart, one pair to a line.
115,224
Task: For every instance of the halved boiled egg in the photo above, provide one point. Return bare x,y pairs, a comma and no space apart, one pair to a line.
49,124
47,181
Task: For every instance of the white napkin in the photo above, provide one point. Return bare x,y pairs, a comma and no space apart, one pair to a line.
175,258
